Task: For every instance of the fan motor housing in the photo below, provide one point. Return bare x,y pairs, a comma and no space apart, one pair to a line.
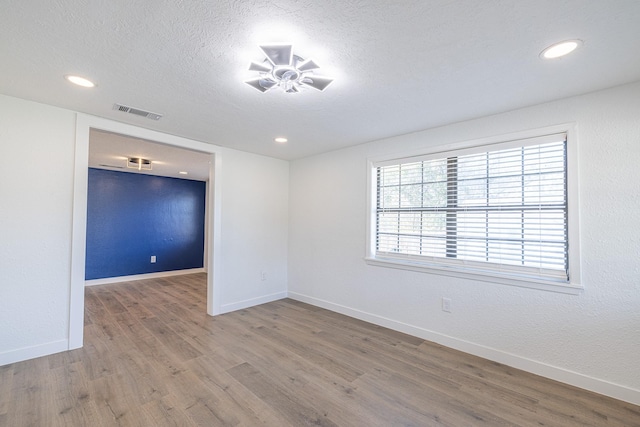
286,73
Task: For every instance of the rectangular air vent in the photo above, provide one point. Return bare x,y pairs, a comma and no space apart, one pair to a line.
137,112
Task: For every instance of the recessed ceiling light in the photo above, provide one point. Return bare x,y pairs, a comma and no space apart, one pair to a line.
183,173
281,140
80,81
560,49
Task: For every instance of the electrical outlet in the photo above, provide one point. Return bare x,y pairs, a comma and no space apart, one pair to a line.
263,275
446,304
153,259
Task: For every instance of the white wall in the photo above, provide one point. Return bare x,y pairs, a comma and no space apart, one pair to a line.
37,144
36,196
255,221
591,340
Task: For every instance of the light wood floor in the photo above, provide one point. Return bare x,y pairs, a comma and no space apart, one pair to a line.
152,357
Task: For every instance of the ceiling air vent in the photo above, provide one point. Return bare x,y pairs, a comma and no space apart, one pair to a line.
137,112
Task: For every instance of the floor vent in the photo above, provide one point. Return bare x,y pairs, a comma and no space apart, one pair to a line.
137,112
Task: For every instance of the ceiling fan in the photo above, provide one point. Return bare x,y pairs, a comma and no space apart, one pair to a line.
282,68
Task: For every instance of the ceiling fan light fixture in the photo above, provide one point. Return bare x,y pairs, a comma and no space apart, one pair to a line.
283,69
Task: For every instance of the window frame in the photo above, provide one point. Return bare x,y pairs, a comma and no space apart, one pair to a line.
508,276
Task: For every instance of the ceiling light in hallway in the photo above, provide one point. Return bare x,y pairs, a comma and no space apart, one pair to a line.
139,163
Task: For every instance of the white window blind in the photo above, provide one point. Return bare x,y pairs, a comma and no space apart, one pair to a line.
501,207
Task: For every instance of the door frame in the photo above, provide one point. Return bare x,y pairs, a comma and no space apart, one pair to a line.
84,123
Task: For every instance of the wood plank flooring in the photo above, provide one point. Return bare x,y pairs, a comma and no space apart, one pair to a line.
152,357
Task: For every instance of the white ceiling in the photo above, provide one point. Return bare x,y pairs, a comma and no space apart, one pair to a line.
400,66
111,151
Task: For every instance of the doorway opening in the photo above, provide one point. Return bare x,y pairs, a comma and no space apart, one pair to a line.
88,127
144,220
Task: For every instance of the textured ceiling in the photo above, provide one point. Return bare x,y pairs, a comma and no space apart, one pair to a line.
400,66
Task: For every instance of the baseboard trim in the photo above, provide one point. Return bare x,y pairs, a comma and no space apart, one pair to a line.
227,308
120,279
596,385
26,353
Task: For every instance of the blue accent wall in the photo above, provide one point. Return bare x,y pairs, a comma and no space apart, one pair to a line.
131,217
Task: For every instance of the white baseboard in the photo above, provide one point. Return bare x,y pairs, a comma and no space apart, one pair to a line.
120,279
226,308
26,353
596,385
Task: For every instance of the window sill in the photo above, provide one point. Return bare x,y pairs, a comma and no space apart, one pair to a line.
479,275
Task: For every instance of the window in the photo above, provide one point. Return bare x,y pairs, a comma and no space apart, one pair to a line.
498,210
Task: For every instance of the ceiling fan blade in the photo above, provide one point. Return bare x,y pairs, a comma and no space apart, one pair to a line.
308,65
261,84
316,82
267,83
254,66
292,89
278,54
256,84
